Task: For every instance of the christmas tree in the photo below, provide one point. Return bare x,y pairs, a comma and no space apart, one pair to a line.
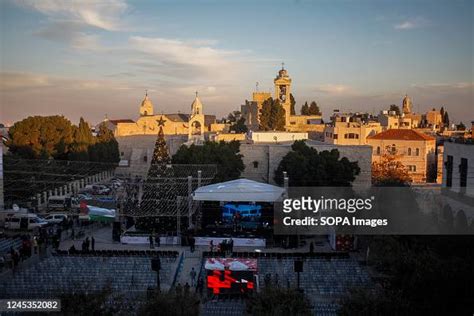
160,154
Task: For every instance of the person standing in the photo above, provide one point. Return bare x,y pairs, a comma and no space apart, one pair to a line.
200,286
87,244
150,238
93,243
35,244
193,277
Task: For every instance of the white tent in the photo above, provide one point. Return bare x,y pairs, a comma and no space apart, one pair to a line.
240,190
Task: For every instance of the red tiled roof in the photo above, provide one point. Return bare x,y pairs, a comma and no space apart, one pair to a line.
401,134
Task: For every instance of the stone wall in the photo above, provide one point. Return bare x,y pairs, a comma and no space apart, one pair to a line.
261,160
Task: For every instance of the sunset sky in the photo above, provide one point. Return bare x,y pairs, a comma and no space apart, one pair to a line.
91,58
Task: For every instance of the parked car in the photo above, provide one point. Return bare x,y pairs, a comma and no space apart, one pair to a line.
25,221
55,218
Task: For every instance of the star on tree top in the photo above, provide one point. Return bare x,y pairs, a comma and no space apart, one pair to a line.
161,121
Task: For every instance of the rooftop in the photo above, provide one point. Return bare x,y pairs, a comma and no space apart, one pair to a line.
402,134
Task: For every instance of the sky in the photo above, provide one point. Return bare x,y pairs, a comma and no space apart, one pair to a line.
96,58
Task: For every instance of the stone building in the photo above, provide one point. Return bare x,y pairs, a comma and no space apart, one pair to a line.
175,123
350,129
458,179
415,150
262,159
250,111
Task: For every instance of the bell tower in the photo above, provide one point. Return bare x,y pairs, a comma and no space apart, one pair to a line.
282,91
146,108
196,121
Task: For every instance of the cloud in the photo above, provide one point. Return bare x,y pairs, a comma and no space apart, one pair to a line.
334,89
27,82
184,59
181,52
14,80
410,24
102,14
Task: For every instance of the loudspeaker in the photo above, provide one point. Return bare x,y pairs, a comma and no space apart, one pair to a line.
156,264
298,266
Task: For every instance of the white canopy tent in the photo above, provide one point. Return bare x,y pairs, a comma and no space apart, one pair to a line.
240,190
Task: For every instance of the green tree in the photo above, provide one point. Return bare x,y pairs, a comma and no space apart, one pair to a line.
278,301
314,109
239,126
106,147
272,116
306,166
226,156
233,116
396,109
83,139
41,137
292,104
461,126
389,171
305,109
446,119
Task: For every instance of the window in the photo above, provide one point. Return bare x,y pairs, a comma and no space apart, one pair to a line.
417,152
335,136
378,150
145,158
411,168
463,173
121,153
409,151
449,171
394,149
255,164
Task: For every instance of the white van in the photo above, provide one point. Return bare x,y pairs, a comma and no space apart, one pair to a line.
24,221
11,212
62,203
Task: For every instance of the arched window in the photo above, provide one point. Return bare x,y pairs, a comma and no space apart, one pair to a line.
417,151
394,149
378,150
409,151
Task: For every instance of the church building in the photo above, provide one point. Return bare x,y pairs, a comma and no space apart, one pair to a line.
193,125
